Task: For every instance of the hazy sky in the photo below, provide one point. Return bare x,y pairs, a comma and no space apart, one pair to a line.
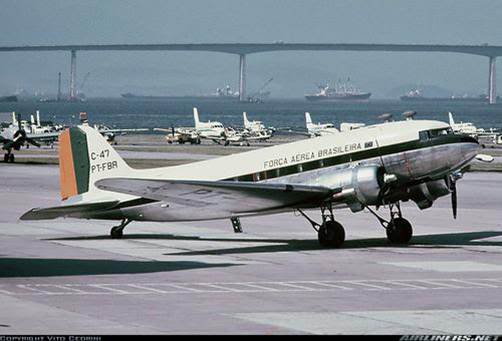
26,22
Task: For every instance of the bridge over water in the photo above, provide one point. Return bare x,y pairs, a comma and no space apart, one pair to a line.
243,49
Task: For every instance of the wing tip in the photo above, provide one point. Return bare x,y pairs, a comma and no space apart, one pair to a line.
31,215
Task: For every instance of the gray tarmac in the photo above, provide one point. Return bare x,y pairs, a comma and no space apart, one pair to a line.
67,276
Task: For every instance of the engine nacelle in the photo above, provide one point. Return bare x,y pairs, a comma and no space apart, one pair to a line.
361,186
424,194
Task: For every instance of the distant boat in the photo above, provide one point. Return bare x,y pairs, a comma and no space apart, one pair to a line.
220,94
416,95
12,98
341,92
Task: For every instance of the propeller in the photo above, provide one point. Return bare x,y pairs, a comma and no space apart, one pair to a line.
454,199
20,135
451,181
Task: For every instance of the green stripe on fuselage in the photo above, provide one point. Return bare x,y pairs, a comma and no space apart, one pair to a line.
80,159
356,156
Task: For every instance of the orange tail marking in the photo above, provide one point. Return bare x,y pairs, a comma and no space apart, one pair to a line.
67,178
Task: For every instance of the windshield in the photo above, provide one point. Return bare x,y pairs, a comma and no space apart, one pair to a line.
429,134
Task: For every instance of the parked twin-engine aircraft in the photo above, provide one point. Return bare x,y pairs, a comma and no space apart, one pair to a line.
319,129
208,130
256,130
376,165
15,136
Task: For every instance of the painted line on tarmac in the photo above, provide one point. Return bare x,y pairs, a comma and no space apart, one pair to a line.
250,287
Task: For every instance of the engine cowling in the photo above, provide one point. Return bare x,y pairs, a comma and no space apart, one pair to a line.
361,186
426,193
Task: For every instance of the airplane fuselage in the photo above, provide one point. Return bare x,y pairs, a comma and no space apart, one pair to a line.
413,156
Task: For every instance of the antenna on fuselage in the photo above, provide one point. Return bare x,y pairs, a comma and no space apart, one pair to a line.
408,115
386,117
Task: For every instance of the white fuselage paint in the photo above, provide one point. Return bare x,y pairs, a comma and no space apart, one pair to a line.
414,164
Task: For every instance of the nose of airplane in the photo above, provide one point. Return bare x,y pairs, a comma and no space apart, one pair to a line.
470,147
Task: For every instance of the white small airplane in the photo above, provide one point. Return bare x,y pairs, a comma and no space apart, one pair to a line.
15,136
253,126
180,135
464,127
319,129
36,126
208,130
110,133
470,129
256,130
373,166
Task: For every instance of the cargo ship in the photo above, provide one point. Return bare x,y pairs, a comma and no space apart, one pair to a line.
340,92
220,94
416,95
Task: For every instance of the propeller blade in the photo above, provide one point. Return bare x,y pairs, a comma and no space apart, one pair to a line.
454,199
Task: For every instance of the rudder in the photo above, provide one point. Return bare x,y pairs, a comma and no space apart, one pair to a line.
85,157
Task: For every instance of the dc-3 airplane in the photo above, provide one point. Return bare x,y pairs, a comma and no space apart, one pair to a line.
373,166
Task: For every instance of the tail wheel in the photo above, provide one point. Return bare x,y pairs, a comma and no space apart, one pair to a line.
331,234
399,231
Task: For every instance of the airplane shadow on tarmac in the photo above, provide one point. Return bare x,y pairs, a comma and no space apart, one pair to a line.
447,240
40,267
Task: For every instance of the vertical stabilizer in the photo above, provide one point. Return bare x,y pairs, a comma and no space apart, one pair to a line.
196,117
450,117
85,157
246,121
308,120
38,119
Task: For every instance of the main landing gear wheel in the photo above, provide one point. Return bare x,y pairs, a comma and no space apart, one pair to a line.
118,231
399,231
331,234
8,157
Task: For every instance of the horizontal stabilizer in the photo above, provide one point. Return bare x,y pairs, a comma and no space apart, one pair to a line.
64,211
222,196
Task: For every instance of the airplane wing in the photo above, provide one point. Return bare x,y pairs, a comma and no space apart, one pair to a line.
64,211
125,130
222,196
43,135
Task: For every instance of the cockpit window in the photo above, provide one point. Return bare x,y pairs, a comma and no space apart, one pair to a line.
429,134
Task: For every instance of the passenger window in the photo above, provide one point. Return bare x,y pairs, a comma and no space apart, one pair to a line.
288,170
274,173
310,165
248,177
